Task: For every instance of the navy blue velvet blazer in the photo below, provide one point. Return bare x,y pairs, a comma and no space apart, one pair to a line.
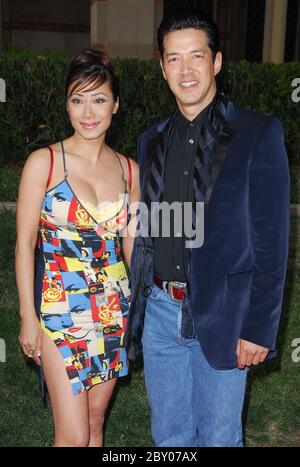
237,276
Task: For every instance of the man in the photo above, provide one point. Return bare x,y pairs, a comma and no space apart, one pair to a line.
211,312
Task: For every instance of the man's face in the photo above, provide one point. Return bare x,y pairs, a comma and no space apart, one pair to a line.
188,67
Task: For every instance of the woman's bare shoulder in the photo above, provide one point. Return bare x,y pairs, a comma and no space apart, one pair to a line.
133,163
134,171
43,154
40,159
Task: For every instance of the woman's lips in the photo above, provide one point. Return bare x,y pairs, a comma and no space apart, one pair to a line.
89,126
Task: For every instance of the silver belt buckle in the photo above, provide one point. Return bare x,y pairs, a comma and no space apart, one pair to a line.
177,285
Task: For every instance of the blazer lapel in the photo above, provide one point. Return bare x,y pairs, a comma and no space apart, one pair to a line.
151,160
227,135
155,161
156,157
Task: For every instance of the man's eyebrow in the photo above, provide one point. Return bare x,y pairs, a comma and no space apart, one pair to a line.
197,50
172,54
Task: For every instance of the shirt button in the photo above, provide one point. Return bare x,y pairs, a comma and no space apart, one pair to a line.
192,124
185,172
178,267
191,141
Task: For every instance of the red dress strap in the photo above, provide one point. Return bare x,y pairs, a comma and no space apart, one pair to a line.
130,172
51,166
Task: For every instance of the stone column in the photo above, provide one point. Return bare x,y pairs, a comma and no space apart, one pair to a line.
99,13
275,31
124,28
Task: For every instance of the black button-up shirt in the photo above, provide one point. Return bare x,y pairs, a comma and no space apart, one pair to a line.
170,253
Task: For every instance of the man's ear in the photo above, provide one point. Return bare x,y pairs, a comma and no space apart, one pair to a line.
162,68
218,63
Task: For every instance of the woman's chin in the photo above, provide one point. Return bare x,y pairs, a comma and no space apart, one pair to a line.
89,135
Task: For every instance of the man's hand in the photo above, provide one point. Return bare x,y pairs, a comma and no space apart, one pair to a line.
250,354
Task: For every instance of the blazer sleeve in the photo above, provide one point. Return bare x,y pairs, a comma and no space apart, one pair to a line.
269,199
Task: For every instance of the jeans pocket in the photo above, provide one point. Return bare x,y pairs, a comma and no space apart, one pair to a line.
156,293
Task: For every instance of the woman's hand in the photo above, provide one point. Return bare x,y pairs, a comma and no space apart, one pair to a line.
30,338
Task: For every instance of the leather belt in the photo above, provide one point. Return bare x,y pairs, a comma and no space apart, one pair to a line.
176,290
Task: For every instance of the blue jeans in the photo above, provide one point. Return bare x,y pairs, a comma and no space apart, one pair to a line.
192,403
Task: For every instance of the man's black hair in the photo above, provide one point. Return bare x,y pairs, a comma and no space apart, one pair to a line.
189,19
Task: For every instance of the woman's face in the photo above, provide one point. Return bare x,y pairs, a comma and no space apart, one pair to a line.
91,111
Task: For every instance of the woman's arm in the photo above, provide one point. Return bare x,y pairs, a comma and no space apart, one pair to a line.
31,193
128,239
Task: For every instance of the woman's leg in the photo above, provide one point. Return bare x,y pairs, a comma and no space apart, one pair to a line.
98,400
70,412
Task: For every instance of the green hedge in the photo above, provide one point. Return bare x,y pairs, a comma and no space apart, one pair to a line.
34,114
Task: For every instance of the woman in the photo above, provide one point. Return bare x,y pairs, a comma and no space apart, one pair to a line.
74,196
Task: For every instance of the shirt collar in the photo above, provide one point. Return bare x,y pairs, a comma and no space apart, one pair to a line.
183,123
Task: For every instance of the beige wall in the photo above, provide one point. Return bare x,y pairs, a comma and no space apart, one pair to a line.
43,40
68,11
47,24
125,28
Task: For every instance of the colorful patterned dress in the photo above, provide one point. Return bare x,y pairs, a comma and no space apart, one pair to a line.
82,287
